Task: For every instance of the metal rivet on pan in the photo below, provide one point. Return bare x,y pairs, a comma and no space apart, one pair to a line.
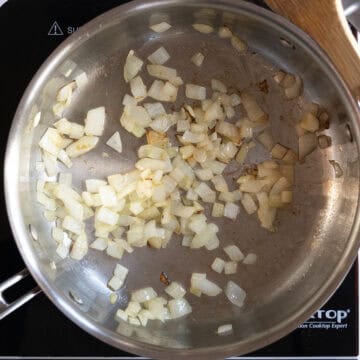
75,298
287,43
349,133
33,232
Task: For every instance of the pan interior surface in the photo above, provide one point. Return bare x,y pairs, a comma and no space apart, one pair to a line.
294,263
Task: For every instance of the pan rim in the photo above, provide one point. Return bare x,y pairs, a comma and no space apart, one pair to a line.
20,233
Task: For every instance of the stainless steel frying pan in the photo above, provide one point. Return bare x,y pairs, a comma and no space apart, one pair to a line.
299,266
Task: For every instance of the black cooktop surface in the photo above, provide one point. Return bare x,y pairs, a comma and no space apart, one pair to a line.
29,31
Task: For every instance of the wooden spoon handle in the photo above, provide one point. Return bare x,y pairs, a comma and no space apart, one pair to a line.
325,22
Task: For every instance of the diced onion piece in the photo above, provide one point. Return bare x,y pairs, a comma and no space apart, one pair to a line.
203,28
95,121
205,286
244,149
212,243
225,329
51,141
79,248
115,283
294,90
186,241
157,308
143,295
108,196
195,92
132,66
155,109
197,59
191,137
249,204
290,157
115,142
197,223
232,196
205,193
253,109
72,225
280,185
250,259
162,72
278,151
234,253
228,130
179,308
218,210
121,315
235,294
214,112
230,267
65,178
220,183
49,204
160,56
62,251
163,92
107,216
144,316
202,237
216,167
134,119
99,244
204,174
218,265
182,125
309,122
175,290
162,123
231,210
238,44
224,32
151,164
279,76
82,146
138,88
324,141
114,250
288,81
128,100
307,144
93,185
161,27
218,85
64,94
266,214
113,298
133,308
58,109
81,80
266,139
313,108
176,81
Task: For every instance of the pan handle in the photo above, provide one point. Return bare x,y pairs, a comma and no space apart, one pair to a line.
325,22
7,308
